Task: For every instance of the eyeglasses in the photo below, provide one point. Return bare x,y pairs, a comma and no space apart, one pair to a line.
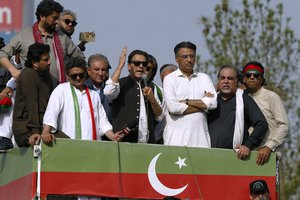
67,21
249,74
138,63
74,76
186,56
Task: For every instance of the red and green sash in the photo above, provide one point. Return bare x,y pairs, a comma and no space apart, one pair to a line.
58,50
77,114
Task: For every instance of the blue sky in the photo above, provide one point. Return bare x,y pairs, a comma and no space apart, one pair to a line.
155,26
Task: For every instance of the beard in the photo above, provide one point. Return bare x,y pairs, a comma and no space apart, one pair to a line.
226,90
50,28
69,33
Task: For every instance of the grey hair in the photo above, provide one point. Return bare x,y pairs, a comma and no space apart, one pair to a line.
227,66
96,57
68,12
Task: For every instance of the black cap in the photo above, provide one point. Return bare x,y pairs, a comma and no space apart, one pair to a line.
258,187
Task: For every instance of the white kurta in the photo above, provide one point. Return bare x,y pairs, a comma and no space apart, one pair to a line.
187,130
60,113
6,118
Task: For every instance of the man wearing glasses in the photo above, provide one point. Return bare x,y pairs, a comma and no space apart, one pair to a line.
67,23
271,106
74,109
43,31
134,107
188,96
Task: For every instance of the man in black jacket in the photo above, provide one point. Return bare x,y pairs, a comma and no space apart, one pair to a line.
134,107
34,87
229,123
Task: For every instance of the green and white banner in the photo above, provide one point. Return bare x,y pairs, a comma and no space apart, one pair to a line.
127,170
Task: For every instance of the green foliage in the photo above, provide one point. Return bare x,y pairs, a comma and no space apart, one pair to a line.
259,32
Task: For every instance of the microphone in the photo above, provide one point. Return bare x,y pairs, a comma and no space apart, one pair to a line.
145,79
130,126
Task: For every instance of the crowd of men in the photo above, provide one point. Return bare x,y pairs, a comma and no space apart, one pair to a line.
57,94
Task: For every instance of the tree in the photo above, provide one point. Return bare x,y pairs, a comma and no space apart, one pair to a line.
258,31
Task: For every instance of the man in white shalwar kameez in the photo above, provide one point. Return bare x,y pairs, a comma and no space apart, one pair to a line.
61,110
60,113
76,111
188,96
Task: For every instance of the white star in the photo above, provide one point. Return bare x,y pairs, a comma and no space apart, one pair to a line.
180,162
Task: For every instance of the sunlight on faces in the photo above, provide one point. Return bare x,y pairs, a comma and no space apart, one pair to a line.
50,22
186,60
76,77
227,81
137,71
43,64
67,24
98,72
253,80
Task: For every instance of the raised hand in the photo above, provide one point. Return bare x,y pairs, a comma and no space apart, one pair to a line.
123,55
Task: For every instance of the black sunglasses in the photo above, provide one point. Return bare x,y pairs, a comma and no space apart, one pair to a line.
74,76
256,75
67,21
138,63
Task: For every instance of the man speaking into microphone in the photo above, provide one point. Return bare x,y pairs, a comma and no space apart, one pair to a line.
133,100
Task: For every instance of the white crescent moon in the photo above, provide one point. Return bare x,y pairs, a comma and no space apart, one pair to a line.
157,185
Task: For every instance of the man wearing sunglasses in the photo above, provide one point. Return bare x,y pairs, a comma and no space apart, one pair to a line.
43,31
67,23
134,105
271,106
228,124
76,110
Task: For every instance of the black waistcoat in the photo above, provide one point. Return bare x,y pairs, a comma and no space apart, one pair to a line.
126,110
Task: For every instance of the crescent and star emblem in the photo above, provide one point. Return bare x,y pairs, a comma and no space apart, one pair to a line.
155,182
